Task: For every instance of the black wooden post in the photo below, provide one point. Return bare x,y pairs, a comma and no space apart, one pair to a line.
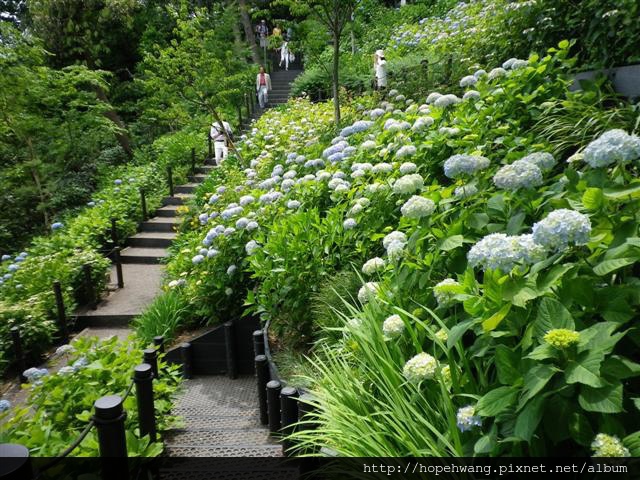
289,409
193,160
170,180
248,104
60,312
273,405
150,357
258,342
239,117
230,348
15,463
262,374
109,418
186,352
118,263
114,231
210,143
143,204
18,352
159,343
143,378
89,289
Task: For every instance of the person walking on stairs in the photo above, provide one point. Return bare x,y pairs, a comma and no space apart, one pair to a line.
285,55
263,86
263,32
220,139
380,67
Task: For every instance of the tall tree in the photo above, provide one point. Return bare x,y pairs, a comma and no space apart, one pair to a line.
245,19
335,15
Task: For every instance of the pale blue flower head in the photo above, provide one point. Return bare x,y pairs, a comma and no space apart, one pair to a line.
466,419
463,164
57,226
613,146
197,259
562,227
519,174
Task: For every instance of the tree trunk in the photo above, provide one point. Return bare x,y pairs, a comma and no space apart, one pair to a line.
248,31
336,78
121,135
237,39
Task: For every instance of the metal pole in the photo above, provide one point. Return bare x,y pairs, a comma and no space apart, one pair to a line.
193,160
289,409
143,204
159,343
258,342
143,378
88,286
273,405
262,374
18,352
114,231
118,264
15,463
150,357
61,314
230,348
187,360
170,180
109,418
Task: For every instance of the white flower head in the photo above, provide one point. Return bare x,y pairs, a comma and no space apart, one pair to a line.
373,266
393,327
421,367
418,207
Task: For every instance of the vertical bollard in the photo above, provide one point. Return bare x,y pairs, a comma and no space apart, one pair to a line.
114,231
90,291
210,146
262,374
239,117
230,348
109,416
258,342
118,264
289,409
150,357
15,463
60,312
170,180
187,360
159,343
273,405
193,160
248,104
143,378
18,352
143,205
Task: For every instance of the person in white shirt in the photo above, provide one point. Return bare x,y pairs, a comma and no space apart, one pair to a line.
284,55
220,140
380,66
263,86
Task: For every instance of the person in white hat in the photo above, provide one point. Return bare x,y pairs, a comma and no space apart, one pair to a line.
380,67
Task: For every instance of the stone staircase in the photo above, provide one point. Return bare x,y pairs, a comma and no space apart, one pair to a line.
281,86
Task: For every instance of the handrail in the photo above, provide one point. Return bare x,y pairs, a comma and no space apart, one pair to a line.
69,449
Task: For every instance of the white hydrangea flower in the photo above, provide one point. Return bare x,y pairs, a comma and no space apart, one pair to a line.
368,145
497,73
562,227
445,291
463,164
406,151
373,266
368,292
608,446
382,167
349,224
520,174
504,252
543,160
395,251
251,247
465,191
613,146
395,236
421,367
471,95
393,327
468,81
408,167
418,207
447,100
408,184
433,97
421,123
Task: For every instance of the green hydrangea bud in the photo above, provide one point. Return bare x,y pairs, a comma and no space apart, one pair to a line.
562,338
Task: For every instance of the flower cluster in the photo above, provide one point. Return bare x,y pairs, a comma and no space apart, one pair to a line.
543,160
393,327
465,191
504,252
562,227
357,127
393,125
406,151
373,265
448,100
368,292
394,244
34,374
408,184
349,224
562,338
4,405
463,164
608,446
418,207
445,292
421,367
421,123
468,81
613,146
520,174
466,419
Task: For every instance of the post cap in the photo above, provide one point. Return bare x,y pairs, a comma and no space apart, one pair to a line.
149,353
257,333
273,384
108,407
289,392
13,458
185,345
144,371
261,358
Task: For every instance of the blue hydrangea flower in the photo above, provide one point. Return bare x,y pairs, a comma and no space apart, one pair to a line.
203,218
197,259
471,95
520,174
433,97
562,227
463,164
406,151
468,81
375,113
349,224
467,420
498,251
613,146
446,101
57,226
4,405
543,160
6,257
117,182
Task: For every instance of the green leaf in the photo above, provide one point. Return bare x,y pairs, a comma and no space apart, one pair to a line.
545,282
529,419
604,400
507,363
593,199
542,352
580,430
496,401
494,320
551,314
486,443
622,193
579,373
535,380
457,331
632,442
608,266
451,243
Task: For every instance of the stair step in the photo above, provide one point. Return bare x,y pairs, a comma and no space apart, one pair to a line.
221,421
160,224
151,239
198,178
147,256
168,211
246,472
223,451
188,409
186,188
216,436
204,169
177,199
